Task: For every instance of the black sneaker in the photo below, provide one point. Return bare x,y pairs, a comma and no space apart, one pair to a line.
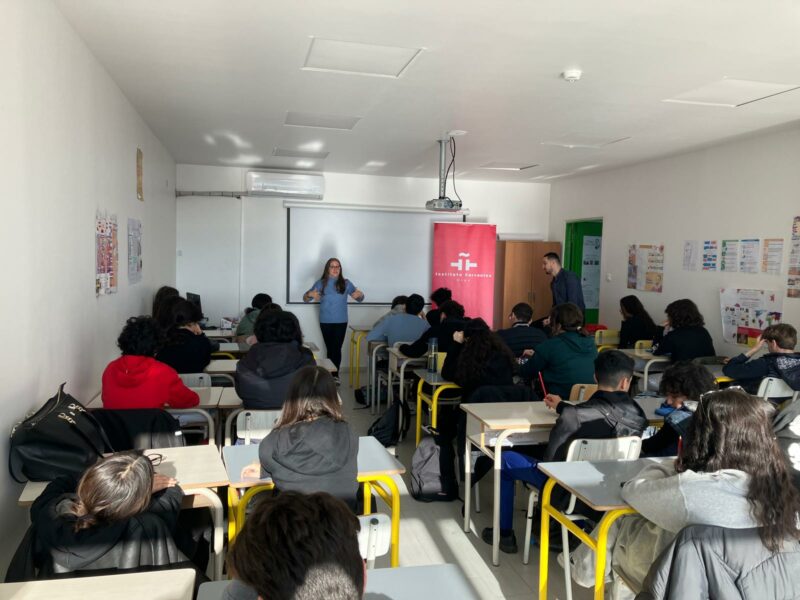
361,398
508,543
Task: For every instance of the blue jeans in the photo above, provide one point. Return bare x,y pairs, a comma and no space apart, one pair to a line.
516,467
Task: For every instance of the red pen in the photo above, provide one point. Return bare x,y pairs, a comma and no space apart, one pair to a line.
680,444
541,380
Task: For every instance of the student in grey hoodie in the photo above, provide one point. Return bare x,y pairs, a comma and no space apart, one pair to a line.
731,474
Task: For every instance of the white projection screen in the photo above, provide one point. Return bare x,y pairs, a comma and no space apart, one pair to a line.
385,253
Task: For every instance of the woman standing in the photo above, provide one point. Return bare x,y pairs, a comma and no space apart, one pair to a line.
331,291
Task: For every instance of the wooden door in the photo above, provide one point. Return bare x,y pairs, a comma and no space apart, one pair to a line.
540,284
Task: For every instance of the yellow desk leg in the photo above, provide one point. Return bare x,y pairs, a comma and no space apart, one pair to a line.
241,509
602,549
350,357
435,401
419,411
359,339
392,499
544,539
233,503
367,498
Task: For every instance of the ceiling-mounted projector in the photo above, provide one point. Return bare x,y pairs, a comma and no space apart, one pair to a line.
443,203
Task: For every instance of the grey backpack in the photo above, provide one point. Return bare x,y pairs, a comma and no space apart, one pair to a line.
427,484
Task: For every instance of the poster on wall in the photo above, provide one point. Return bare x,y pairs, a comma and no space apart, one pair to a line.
590,270
729,261
646,267
691,251
793,282
749,256
106,251
134,250
772,256
710,255
746,313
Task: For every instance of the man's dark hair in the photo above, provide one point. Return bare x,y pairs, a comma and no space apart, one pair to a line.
278,326
553,256
441,296
185,313
451,308
259,301
399,300
611,367
141,336
414,304
295,546
684,313
688,379
782,334
523,312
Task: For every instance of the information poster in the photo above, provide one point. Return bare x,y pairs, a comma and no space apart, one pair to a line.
106,252
134,250
590,270
749,256
772,256
729,260
746,313
646,267
710,255
691,252
793,282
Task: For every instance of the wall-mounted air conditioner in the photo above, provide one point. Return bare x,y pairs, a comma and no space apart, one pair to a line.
286,185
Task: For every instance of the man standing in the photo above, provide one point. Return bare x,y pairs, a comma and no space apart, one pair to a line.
566,286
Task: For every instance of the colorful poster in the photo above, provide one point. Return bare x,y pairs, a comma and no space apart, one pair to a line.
749,256
691,251
772,257
729,260
746,313
463,260
590,270
793,283
134,250
710,255
646,267
106,250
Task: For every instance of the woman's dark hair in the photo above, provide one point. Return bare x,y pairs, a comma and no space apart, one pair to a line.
162,294
688,379
566,317
311,394
300,546
441,295
281,326
733,430
341,284
259,301
114,489
480,345
165,309
414,304
633,307
184,313
141,336
399,300
684,313
451,308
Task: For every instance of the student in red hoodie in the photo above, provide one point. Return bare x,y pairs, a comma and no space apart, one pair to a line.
136,379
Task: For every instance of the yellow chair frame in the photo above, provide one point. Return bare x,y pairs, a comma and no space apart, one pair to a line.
355,357
433,402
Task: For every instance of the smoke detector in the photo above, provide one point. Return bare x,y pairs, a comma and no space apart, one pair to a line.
572,75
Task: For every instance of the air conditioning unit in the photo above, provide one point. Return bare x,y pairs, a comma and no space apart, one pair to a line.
286,185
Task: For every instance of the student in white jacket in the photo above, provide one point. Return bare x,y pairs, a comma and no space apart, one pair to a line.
731,474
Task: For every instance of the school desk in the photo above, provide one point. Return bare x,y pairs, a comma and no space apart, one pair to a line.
644,363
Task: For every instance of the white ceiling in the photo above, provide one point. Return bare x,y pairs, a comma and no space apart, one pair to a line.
215,79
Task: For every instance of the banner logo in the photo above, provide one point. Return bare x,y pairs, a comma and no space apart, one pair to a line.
463,257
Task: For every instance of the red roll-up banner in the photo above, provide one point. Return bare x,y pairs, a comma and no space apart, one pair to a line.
463,261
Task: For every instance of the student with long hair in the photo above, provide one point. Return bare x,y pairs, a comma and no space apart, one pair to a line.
731,474
636,322
187,349
162,294
685,336
331,291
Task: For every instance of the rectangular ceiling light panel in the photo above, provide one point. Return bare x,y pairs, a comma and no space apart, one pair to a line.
579,140
507,166
731,93
303,119
299,153
360,59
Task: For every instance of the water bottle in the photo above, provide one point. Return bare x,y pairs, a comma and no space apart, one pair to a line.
433,348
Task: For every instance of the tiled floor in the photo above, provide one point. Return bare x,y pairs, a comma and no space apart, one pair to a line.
431,533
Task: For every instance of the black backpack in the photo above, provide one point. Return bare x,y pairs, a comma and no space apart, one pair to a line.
391,426
61,438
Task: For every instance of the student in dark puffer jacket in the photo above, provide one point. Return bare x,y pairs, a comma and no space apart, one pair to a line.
780,361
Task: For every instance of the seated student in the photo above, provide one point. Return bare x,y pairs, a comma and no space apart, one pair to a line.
609,413
120,515
187,349
268,308
521,336
297,547
402,327
162,294
781,360
684,336
731,474
312,448
398,307
264,374
164,314
438,297
136,379
247,322
682,382
451,315
636,322
567,357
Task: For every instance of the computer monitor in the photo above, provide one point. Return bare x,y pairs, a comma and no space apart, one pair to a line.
194,299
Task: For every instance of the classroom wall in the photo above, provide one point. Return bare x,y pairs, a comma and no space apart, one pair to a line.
69,148
520,208
747,188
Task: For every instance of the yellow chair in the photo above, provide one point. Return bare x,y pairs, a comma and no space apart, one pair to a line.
605,339
432,400
222,355
581,392
643,345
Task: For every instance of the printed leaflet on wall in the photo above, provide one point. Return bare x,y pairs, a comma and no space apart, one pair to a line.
646,267
746,313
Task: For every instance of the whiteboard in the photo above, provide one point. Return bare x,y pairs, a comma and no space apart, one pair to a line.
383,252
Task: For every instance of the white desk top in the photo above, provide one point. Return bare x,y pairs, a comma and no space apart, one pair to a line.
360,328
373,459
209,398
193,467
234,347
597,483
644,355
222,365
434,379
220,333
311,346
649,405
154,585
512,415
327,364
229,398
443,582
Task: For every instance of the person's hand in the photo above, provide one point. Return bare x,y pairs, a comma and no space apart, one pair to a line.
313,295
546,322
552,400
528,352
358,295
195,329
458,337
760,343
252,471
726,360
162,482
